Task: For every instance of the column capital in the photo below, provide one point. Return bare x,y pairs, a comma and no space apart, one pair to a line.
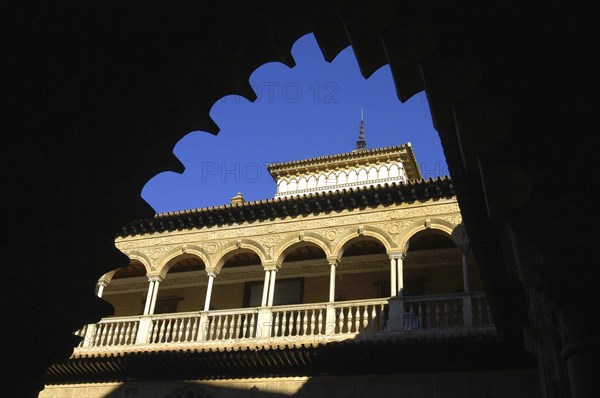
212,271
397,254
460,237
333,260
155,277
103,282
272,266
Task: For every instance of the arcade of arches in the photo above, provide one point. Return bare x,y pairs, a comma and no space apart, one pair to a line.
306,272
97,96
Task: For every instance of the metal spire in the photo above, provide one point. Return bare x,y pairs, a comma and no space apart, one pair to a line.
361,143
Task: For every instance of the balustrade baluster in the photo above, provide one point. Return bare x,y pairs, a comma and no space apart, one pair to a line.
429,315
349,320
191,331
320,322
133,335
114,334
298,323
118,332
125,335
232,327
373,319
285,324
341,320
105,332
166,333
175,330
357,319
304,323
155,325
244,326
252,325
184,330
225,327
313,321
237,326
97,335
365,320
276,324
187,329
111,334
437,314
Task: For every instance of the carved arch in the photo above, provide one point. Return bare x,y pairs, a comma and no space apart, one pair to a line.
310,237
246,244
437,224
142,258
368,231
165,262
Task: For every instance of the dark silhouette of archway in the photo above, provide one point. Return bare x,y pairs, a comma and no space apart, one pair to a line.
96,93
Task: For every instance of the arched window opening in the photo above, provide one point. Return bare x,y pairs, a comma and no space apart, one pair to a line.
303,277
187,270
126,289
241,269
432,265
363,272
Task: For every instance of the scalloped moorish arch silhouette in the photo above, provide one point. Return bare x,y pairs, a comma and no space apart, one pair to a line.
485,80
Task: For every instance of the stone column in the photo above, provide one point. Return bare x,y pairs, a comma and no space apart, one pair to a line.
211,278
154,293
102,283
393,276
265,292
333,263
400,270
272,287
459,235
149,298
462,243
396,308
465,265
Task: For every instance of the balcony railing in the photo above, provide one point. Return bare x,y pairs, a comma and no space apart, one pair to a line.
338,320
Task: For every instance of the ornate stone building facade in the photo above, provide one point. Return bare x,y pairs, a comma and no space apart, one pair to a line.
355,257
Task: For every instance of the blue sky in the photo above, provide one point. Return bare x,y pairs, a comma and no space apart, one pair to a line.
312,109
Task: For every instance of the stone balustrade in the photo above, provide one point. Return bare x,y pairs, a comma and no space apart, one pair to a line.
347,319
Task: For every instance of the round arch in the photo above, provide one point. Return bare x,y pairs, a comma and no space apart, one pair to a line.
308,237
109,275
246,244
142,258
437,224
165,263
366,231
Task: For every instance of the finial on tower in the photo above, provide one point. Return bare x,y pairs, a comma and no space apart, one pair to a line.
361,143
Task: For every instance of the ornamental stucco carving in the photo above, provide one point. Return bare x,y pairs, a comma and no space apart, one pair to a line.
394,225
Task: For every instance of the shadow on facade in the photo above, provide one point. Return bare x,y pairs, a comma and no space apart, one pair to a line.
420,368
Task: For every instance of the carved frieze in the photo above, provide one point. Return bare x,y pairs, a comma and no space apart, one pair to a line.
389,221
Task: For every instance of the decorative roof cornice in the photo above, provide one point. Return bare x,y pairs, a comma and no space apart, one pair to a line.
409,160
292,206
